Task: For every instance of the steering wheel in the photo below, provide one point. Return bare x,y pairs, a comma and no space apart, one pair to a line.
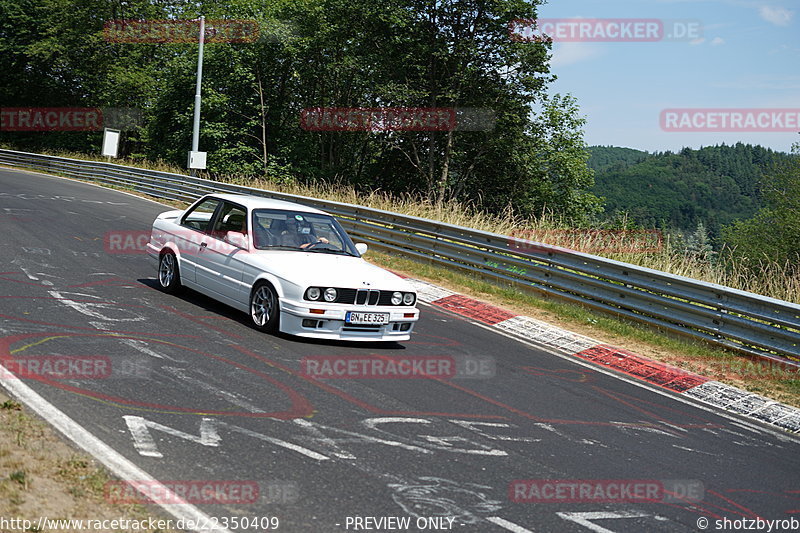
314,244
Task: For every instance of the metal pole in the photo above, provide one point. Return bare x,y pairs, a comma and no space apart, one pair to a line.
196,126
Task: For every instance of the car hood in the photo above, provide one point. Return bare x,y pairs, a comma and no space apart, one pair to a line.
326,270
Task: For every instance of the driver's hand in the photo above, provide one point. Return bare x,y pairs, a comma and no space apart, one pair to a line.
321,240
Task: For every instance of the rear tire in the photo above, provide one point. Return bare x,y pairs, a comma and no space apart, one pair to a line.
264,308
169,277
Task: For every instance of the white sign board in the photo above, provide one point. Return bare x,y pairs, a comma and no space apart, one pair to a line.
197,160
110,142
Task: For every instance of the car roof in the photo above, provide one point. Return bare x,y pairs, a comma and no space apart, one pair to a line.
259,202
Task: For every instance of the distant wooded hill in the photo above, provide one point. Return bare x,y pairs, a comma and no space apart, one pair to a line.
714,185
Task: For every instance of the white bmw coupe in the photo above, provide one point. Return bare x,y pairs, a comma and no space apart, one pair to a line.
292,268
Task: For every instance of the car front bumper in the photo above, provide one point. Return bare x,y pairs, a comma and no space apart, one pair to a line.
327,321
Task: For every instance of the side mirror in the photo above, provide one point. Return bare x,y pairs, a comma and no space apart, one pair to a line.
361,248
237,239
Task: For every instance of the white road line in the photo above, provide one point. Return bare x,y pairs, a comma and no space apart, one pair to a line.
511,526
235,399
584,519
89,308
339,451
30,276
116,463
691,450
279,442
143,441
470,424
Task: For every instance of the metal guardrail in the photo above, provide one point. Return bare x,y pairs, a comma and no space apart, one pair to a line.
758,326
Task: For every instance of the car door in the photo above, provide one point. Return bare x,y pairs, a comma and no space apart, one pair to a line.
219,266
193,230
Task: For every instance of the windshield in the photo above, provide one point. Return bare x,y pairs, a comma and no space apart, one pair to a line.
301,231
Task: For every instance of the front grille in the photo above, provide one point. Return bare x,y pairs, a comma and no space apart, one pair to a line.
368,297
345,296
362,297
386,298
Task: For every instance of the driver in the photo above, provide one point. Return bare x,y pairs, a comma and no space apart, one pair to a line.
301,234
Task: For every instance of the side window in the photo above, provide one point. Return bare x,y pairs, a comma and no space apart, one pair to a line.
268,228
231,218
199,217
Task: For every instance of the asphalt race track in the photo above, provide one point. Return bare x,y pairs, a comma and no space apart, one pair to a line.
184,388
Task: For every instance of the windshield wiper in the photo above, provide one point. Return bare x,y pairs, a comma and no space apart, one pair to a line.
330,251
279,247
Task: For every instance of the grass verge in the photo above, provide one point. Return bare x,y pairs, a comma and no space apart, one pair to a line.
42,475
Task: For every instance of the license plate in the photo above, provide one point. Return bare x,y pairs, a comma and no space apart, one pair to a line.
352,317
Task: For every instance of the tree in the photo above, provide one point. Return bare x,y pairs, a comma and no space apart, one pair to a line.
698,244
321,53
53,54
773,234
714,185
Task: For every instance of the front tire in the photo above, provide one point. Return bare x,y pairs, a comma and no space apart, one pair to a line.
169,278
264,308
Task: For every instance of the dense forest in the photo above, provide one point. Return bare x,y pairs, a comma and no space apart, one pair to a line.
310,54
739,202
528,153
603,157
715,185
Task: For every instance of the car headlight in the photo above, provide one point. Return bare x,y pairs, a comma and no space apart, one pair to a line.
397,298
330,294
408,298
313,293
